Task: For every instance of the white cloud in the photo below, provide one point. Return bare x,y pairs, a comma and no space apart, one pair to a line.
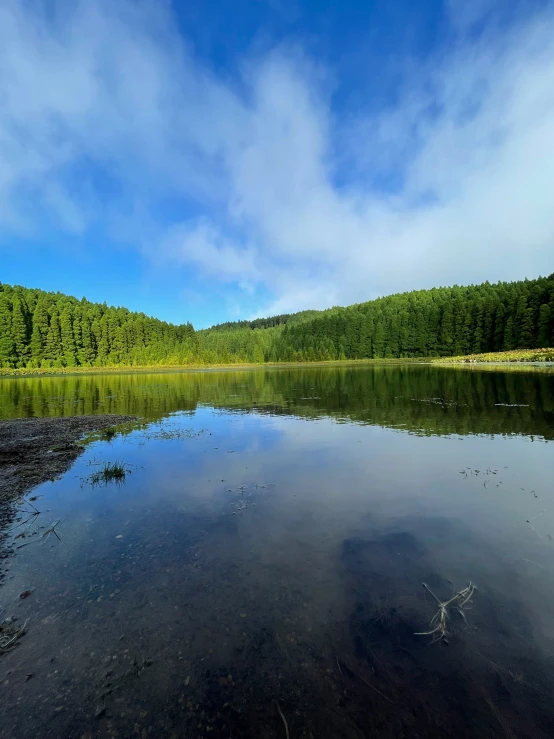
103,111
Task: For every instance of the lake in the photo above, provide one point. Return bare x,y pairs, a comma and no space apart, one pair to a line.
258,571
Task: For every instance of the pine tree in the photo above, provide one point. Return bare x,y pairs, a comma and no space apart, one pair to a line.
509,342
544,338
527,330
86,352
67,338
7,346
499,323
40,331
102,340
53,349
477,344
20,331
378,341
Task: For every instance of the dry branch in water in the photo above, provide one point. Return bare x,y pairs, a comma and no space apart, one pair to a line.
282,715
9,634
438,622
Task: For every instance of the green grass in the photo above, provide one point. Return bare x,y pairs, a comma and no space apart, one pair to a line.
515,355
110,472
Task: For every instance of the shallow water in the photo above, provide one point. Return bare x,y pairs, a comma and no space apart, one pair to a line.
264,558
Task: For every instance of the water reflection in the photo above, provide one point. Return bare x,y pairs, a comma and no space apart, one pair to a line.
423,399
264,559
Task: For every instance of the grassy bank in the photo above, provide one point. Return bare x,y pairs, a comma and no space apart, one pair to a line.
516,355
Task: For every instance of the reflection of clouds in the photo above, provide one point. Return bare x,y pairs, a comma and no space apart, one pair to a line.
328,474
332,481
333,478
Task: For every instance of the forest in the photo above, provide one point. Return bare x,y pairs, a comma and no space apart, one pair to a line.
41,329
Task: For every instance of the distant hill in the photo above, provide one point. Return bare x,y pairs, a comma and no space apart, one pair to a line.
443,321
270,322
45,329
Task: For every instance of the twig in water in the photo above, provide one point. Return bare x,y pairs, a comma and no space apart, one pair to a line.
8,640
33,507
338,665
438,622
369,685
52,530
522,559
365,682
282,715
534,529
33,514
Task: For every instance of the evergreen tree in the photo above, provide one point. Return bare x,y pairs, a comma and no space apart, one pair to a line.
544,336
8,356
67,338
526,329
378,339
39,331
53,350
20,331
447,329
500,321
509,342
86,351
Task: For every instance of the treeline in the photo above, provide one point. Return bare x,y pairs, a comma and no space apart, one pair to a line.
44,329
41,329
270,322
429,323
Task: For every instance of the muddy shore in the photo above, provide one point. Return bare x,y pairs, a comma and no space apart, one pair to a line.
35,450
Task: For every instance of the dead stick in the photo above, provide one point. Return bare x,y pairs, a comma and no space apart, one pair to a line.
282,715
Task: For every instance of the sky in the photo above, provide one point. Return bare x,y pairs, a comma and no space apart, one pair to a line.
222,160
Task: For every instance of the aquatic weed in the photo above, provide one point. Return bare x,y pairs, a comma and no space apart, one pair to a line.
111,472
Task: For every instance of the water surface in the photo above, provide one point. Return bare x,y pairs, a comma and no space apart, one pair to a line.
266,555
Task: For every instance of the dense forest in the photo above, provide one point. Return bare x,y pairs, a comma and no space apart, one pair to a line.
429,323
270,322
41,329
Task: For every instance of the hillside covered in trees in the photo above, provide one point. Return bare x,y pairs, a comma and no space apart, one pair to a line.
430,323
41,330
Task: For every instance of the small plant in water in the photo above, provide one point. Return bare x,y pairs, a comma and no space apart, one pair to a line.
110,472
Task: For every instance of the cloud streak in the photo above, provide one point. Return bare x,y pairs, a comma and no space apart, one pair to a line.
105,111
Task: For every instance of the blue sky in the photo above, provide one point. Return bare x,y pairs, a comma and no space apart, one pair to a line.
220,160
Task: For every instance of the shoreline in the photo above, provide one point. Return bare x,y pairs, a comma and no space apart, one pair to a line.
467,361
68,371
35,450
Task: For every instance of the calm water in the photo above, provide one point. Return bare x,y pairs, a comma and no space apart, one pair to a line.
266,555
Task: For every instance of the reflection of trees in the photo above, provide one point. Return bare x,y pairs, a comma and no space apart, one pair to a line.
420,399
